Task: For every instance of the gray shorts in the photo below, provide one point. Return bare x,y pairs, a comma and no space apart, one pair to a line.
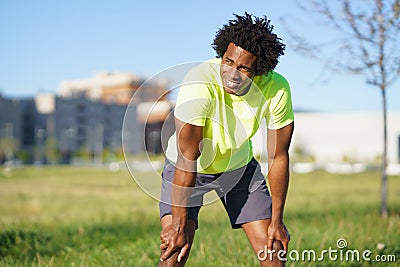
243,193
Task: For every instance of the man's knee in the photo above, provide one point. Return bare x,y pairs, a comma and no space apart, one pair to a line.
275,257
277,246
279,255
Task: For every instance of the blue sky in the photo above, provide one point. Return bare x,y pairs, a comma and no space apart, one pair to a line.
45,42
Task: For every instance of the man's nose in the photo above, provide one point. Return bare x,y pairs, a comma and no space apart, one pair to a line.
234,73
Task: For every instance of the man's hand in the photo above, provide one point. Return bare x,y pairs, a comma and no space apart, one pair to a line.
173,239
277,232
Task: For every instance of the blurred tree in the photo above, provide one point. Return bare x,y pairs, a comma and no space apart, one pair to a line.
301,154
367,43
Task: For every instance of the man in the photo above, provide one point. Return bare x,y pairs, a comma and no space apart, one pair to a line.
220,106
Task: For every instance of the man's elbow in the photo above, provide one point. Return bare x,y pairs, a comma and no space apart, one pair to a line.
278,157
187,161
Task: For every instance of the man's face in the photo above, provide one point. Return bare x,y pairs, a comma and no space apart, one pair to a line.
237,70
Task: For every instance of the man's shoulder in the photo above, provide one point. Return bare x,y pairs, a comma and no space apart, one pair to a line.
272,78
279,77
200,80
271,83
205,70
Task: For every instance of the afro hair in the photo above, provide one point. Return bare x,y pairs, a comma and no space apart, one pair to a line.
253,35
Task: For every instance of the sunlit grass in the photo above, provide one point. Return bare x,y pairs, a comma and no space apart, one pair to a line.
70,216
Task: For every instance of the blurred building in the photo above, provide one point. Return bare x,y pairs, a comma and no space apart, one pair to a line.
85,118
34,130
347,136
21,128
327,140
158,122
149,108
88,126
10,127
115,87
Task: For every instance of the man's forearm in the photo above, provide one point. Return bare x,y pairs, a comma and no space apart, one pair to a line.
182,189
278,178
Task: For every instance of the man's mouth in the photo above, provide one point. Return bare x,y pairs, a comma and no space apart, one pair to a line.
232,84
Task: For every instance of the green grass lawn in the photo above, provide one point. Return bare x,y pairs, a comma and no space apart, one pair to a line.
70,216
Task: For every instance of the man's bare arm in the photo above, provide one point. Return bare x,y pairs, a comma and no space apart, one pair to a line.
278,177
188,141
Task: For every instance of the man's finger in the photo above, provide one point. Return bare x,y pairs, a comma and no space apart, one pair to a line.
183,252
167,253
162,236
287,232
163,246
270,242
285,245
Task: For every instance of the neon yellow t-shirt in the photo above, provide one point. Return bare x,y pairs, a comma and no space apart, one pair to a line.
229,121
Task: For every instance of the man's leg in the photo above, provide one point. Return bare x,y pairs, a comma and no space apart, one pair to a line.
173,260
257,234
249,206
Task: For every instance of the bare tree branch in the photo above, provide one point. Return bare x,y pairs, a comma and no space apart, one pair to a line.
370,47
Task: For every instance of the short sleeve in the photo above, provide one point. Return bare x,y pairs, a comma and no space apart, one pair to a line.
193,103
280,109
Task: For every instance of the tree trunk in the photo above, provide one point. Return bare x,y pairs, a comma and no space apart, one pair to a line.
384,185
